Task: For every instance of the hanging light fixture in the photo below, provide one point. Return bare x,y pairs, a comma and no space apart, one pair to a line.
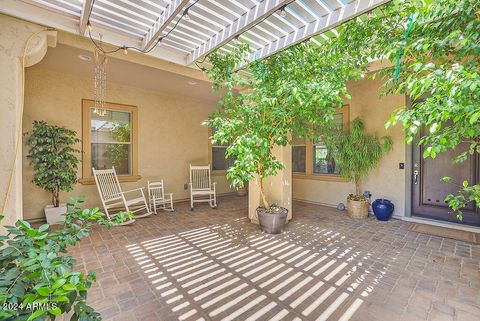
283,12
100,82
186,16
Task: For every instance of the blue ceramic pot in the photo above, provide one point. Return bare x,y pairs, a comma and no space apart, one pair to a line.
383,209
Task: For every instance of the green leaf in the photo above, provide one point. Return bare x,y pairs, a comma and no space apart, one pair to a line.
36,314
55,311
43,291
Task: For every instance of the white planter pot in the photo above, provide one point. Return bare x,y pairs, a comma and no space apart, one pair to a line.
54,214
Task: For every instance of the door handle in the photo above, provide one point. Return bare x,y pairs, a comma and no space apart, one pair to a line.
415,177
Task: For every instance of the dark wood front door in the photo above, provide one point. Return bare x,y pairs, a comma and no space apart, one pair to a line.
429,192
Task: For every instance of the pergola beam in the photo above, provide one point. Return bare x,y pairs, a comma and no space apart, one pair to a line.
171,11
256,14
86,10
325,23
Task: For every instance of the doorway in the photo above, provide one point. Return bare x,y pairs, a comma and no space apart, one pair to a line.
429,191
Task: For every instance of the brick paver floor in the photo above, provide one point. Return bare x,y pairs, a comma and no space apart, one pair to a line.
215,265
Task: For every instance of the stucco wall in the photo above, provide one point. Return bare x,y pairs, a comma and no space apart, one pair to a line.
170,133
17,38
387,180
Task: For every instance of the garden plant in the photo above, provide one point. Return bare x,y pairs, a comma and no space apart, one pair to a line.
53,158
37,279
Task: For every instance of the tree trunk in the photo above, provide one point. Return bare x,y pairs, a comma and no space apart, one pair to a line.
358,189
55,197
262,194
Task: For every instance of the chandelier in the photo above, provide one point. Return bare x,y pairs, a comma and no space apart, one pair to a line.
100,82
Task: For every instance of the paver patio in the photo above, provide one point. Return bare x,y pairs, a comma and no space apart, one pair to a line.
215,265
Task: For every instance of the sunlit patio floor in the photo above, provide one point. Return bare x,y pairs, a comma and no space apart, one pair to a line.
215,265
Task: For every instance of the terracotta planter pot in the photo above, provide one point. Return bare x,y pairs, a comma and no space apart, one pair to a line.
272,222
357,209
241,191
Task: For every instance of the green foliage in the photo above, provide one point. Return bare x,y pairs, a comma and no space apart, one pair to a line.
117,152
355,152
440,74
467,194
53,158
270,101
37,281
298,89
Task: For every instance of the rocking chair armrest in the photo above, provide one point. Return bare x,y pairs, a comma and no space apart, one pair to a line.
133,190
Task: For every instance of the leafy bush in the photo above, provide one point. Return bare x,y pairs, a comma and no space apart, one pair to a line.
356,152
37,281
53,158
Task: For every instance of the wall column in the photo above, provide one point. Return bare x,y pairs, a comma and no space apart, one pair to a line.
278,189
14,34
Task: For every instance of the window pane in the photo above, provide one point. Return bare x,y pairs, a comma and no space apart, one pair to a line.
219,163
115,126
105,156
298,159
323,162
338,119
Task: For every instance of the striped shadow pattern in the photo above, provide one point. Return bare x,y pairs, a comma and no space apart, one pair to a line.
227,272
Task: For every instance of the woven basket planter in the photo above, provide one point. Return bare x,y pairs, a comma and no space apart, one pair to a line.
357,209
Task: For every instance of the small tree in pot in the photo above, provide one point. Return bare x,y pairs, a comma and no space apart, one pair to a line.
356,153
54,162
284,96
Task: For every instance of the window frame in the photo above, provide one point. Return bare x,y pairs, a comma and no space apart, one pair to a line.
87,105
217,172
309,174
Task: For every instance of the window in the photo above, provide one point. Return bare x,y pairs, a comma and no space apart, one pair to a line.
299,149
217,155
313,160
110,140
323,162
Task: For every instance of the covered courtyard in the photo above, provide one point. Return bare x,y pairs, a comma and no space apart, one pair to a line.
240,160
215,265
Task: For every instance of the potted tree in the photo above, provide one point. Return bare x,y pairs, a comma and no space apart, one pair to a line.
54,161
356,153
284,96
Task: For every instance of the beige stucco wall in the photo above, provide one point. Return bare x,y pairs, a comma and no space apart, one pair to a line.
170,132
18,38
387,180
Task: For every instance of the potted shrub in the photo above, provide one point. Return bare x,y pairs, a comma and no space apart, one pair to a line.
54,161
37,280
283,96
356,153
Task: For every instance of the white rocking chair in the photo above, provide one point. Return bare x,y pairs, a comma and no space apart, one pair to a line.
201,186
113,198
158,198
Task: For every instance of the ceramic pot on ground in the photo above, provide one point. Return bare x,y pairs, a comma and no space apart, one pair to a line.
273,221
241,191
383,209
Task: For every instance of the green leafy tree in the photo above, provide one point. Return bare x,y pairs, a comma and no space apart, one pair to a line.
37,280
430,51
439,71
355,152
53,158
271,101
